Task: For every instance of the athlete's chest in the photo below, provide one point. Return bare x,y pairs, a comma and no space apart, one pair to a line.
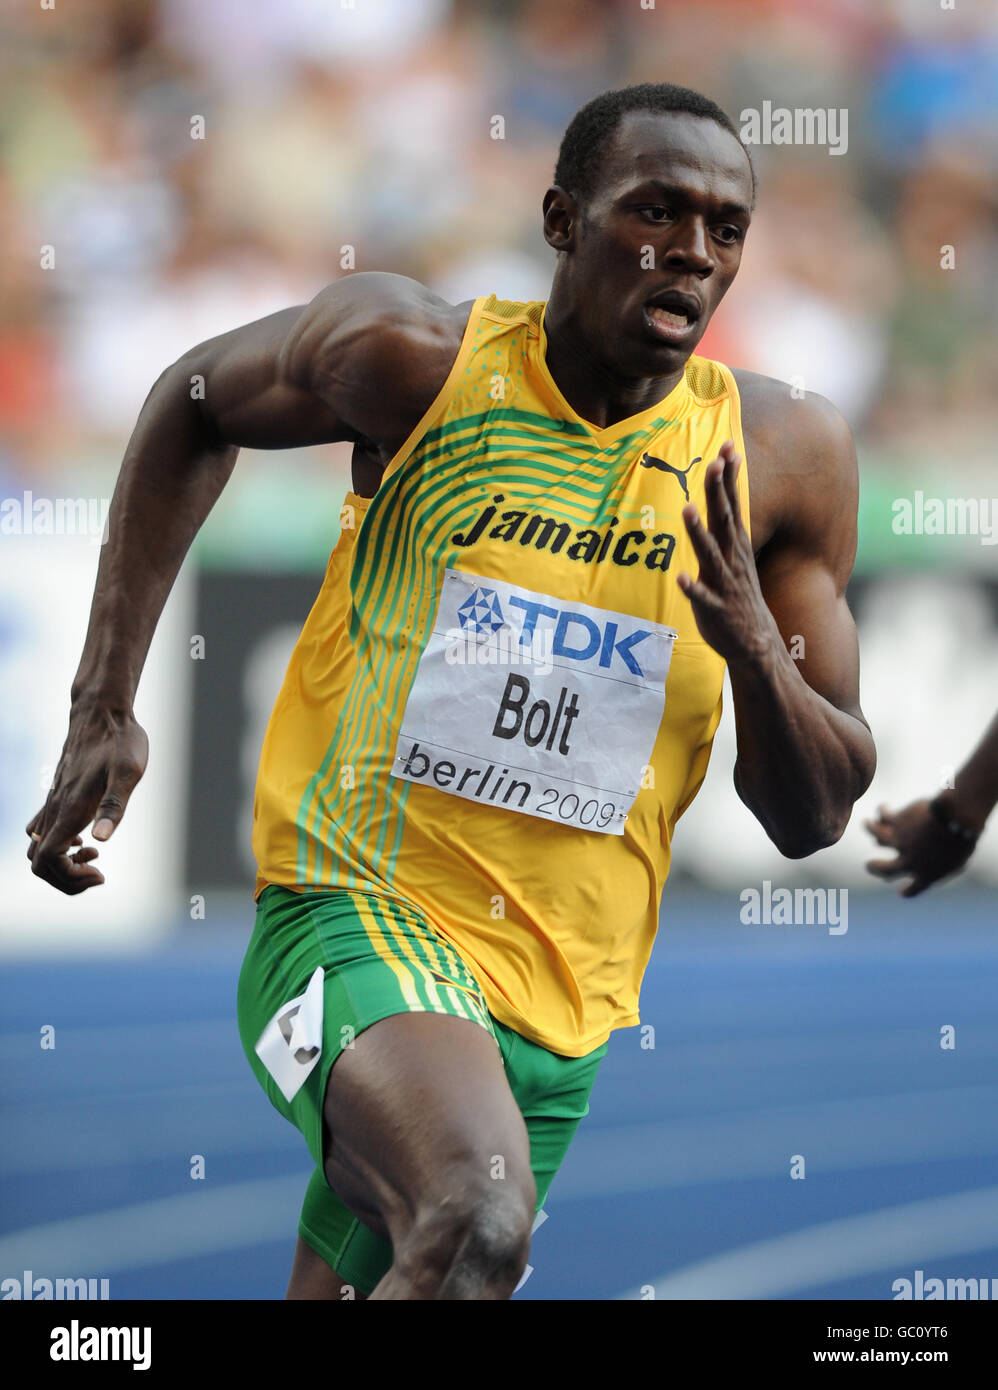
547,617
564,514
518,578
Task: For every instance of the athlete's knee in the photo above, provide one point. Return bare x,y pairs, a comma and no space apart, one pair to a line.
470,1240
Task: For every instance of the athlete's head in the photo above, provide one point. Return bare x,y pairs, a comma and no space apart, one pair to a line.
653,194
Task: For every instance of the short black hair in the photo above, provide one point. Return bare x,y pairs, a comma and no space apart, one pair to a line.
592,127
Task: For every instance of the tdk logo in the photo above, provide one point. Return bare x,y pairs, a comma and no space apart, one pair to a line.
480,612
578,637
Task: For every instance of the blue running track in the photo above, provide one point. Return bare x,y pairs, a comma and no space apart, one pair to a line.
769,1043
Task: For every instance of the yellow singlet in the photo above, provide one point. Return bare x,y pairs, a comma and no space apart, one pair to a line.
500,703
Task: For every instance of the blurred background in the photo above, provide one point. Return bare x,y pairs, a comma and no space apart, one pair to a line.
172,168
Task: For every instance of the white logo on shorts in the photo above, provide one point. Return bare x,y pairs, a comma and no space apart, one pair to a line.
290,1045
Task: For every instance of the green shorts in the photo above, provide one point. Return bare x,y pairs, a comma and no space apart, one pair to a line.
379,956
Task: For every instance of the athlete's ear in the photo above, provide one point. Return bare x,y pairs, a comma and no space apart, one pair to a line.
561,214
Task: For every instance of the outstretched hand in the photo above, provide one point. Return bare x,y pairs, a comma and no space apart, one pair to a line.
925,851
726,597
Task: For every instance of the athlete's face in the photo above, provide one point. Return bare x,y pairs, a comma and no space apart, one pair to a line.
653,251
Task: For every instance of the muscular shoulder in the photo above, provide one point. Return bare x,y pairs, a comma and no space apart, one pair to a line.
377,348
803,475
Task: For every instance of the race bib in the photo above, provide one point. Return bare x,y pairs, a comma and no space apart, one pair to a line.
534,704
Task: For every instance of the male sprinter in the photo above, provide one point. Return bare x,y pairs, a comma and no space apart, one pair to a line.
505,694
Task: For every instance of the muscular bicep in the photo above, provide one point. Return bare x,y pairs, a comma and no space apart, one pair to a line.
247,393
364,359
804,569
806,598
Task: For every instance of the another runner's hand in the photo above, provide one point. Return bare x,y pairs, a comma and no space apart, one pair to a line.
727,601
924,849
103,759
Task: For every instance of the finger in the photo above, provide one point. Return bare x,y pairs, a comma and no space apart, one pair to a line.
57,826
40,824
112,804
733,463
63,819
36,839
887,868
32,832
885,814
698,592
704,545
720,522
734,500
883,834
917,885
70,875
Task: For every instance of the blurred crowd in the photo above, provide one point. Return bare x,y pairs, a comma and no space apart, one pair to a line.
171,168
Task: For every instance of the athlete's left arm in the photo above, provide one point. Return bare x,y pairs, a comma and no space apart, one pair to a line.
805,752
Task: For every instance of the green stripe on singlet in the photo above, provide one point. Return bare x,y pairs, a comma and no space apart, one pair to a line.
388,571
410,487
574,466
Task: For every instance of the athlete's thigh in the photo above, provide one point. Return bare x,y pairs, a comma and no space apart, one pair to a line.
418,1112
418,1105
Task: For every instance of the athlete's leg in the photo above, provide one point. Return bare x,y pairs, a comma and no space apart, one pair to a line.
426,1145
551,1092
423,1186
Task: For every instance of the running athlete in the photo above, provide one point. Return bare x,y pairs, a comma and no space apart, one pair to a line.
505,694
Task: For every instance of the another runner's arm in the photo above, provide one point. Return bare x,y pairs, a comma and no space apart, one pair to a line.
974,793
308,375
935,838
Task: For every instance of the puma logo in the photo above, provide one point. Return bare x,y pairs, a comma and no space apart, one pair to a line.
649,461
293,1035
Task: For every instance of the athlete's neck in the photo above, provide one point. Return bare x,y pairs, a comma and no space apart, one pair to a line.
591,389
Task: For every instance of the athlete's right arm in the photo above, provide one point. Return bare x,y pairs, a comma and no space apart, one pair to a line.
308,375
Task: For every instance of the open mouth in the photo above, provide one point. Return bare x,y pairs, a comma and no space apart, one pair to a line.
672,316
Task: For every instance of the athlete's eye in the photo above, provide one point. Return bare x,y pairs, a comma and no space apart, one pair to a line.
729,235
657,212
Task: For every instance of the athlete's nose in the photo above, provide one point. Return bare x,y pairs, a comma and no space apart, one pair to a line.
689,249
